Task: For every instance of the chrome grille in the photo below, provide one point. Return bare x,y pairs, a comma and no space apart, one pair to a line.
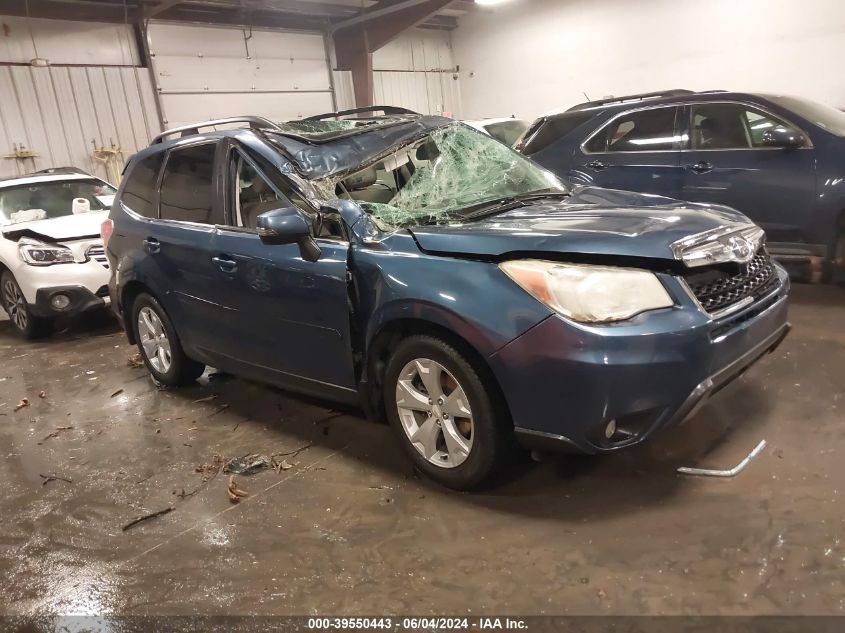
98,254
720,288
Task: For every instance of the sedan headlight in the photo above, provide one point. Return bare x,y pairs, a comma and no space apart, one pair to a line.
589,294
41,254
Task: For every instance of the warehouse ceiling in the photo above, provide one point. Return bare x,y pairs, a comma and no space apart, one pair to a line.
292,14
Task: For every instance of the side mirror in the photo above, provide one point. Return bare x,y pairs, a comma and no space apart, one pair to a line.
783,136
287,226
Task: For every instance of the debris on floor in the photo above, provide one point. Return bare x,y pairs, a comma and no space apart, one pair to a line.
732,472
247,465
24,402
213,396
48,478
134,361
55,433
235,493
116,393
146,517
42,394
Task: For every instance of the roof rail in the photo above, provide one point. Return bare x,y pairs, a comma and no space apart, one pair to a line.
638,97
255,123
384,109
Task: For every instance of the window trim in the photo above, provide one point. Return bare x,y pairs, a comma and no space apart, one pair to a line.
808,142
214,177
678,107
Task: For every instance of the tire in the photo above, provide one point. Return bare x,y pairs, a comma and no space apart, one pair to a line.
459,451
159,345
15,305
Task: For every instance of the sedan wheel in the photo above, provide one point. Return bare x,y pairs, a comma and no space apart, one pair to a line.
15,304
435,413
154,341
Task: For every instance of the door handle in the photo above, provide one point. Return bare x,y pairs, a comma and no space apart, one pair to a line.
596,164
152,245
225,264
701,167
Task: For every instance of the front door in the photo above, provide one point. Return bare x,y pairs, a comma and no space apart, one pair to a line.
287,315
727,163
636,151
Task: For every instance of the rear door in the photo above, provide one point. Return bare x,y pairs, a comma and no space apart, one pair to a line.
638,150
727,163
286,314
180,243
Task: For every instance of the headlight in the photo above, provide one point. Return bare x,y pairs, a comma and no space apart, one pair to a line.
41,254
589,294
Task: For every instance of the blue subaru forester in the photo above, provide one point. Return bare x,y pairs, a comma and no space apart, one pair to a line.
440,280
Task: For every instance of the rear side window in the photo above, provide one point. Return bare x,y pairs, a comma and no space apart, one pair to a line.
187,187
729,126
140,187
547,131
642,131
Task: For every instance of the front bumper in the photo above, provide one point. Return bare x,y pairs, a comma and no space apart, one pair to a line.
565,383
81,300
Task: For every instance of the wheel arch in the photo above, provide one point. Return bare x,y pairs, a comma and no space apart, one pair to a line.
387,339
128,293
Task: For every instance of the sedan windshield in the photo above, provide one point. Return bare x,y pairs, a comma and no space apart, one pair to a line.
441,176
53,199
825,116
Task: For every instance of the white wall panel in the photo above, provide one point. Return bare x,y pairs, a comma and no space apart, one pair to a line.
528,58
205,72
67,42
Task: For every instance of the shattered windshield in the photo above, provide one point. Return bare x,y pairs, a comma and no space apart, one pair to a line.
441,176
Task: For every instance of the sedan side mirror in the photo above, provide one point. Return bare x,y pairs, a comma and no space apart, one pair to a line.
287,226
784,137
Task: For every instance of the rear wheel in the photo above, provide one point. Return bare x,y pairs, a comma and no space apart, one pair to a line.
159,345
443,414
26,324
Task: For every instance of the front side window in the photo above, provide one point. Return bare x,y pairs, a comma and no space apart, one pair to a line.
640,131
140,186
254,195
729,126
53,199
187,186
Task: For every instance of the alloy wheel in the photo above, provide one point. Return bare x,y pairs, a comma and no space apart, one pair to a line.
435,413
15,304
154,340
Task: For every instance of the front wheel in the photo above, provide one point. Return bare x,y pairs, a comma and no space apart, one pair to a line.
160,346
443,414
26,324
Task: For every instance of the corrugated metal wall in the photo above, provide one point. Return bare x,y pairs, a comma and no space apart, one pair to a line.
206,72
91,108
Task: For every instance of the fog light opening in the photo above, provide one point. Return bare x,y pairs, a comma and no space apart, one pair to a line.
60,301
610,429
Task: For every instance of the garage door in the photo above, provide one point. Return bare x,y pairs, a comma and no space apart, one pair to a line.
208,72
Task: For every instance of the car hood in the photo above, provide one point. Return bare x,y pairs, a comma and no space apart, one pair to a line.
592,221
63,228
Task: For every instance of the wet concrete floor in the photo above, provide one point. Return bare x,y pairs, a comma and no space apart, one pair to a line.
349,529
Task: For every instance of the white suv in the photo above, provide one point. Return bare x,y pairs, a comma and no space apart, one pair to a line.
52,261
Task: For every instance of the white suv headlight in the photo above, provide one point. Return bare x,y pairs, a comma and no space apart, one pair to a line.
41,254
589,294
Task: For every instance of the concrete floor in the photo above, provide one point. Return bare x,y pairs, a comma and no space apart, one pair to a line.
349,529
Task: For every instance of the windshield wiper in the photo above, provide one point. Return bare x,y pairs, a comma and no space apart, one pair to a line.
501,205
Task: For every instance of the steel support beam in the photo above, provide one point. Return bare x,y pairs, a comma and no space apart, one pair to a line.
355,40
